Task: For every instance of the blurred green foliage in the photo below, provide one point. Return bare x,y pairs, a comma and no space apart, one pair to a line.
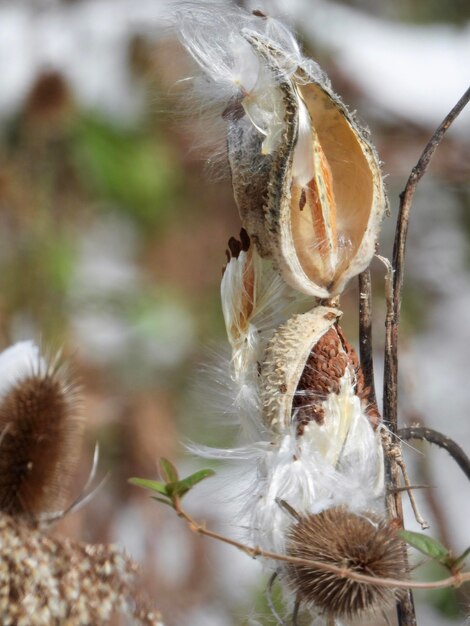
134,168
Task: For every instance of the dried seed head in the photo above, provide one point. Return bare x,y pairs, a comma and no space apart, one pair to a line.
40,430
360,543
315,198
50,580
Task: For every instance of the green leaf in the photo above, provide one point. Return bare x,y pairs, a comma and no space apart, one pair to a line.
181,487
167,502
168,471
127,167
174,488
458,563
153,485
189,482
178,489
427,545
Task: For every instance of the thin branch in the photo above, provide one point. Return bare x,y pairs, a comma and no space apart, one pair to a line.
405,608
365,333
254,551
406,198
433,436
269,598
398,264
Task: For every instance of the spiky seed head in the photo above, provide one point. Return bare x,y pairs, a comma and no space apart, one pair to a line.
40,437
361,543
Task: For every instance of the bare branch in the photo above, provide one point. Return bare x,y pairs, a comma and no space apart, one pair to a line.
398,264
433,436
365,332
405,608
255,551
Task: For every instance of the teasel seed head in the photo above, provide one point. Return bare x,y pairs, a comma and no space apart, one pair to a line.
40,432
363,544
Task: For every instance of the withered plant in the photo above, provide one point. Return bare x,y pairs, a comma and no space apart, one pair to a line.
46,580
323,469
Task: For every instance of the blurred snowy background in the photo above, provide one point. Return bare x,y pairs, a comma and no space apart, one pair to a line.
112,240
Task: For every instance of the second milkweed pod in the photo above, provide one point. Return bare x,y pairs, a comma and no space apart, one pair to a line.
284,362
310,376
323,199
325,441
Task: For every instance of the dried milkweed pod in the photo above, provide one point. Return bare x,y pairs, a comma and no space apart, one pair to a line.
310,370
314,197
306,178
325,444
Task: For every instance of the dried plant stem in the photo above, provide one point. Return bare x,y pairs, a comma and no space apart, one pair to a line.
432,436
365,332
255,551
405,608
419,518
406,199
398,264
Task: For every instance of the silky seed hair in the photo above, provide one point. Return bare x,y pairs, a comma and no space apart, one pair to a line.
40,439
363,544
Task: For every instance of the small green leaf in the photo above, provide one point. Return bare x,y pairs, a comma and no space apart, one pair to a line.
168,471
153,485
163,500
172,489
189,482
427,545
458,563
179,489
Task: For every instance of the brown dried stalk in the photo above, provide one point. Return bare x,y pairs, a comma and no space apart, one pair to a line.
365,333
438,439
255,551
405,607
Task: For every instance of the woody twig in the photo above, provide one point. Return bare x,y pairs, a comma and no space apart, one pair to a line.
405,608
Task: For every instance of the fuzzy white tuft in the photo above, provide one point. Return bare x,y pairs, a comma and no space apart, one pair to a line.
254,302
18,361
223,42
303,472
303,158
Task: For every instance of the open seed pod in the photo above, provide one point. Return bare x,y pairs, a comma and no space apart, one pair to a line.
312,197
311,378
